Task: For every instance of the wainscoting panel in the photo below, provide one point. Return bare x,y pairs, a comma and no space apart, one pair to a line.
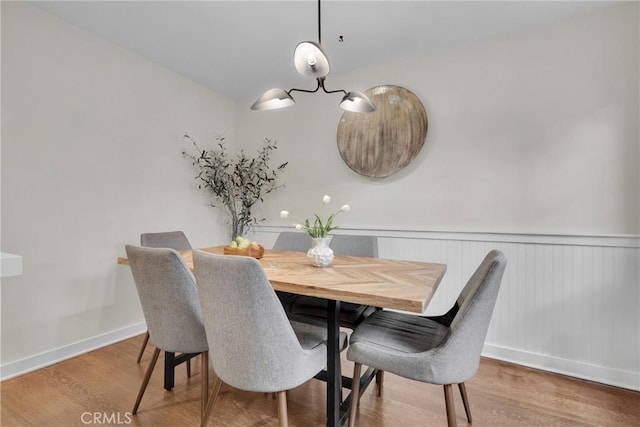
568,304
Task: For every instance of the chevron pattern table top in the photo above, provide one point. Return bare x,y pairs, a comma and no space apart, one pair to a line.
400,285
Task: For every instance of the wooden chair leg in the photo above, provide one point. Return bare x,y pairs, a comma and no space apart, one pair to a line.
451,410
355,394
379,383
282,408
144,345
145,381
465,401
204,369
212,401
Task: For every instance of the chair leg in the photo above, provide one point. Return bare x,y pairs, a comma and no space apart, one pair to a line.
465,401
145,381
379,383
204,368
282,408
451,410
189,368
144,345
212,401
355,394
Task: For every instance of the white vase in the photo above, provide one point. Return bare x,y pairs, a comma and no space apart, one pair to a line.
320,254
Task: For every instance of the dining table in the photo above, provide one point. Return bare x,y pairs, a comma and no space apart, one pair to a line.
378,282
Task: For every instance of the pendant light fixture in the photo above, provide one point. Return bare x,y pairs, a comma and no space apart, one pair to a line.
311,61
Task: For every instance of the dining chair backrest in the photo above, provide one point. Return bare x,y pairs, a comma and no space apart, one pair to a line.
261,351
364,246
459,354
433,349
169,299
168,239
293,241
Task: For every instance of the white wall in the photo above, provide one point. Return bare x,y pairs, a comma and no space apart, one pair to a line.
533,148
534,132
91,157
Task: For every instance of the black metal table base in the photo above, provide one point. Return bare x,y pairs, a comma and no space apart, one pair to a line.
334,373
338,409
170,362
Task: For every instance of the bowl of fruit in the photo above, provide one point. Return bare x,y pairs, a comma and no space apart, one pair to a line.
244,247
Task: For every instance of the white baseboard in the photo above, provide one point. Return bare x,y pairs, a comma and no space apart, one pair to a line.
38,361
625,379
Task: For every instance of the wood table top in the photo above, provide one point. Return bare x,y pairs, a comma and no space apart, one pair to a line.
400,285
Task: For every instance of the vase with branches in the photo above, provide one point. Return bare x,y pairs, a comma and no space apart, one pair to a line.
236,183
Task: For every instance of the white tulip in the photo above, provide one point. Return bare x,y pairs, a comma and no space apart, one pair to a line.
345,208
326,199
284,214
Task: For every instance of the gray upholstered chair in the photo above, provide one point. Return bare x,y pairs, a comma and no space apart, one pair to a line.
438,350
314,310
263,351
365,246
293,241
169,300
167,239
178,241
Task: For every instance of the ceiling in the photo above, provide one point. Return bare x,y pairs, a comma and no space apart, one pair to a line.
242,48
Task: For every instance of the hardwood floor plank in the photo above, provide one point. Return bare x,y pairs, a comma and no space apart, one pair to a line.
104,384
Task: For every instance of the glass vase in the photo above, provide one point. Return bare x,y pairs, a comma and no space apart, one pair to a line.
320,254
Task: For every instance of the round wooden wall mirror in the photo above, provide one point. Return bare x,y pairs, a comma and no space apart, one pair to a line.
384,142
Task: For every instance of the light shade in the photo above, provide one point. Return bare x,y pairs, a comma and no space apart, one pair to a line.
357,102
273,99
310,60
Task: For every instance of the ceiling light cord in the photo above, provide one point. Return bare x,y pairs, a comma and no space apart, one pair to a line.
319,25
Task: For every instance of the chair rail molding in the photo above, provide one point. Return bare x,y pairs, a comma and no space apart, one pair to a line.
568,303
614,240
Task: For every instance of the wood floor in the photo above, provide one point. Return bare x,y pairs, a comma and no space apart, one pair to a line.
99,388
